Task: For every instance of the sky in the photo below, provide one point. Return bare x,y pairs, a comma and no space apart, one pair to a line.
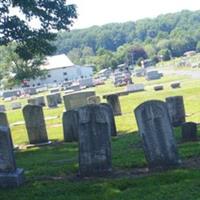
99,12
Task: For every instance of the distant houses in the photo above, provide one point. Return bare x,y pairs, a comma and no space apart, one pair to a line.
59,70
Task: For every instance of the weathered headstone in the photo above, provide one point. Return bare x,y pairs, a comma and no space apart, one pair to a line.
113,100
10,175
111,118
2,108
176,110
38,101
158,87
16,105
94,141
77,99
157,134
35,124
52,101
189,131
94,100
70,125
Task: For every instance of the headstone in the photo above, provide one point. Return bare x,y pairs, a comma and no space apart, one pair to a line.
38,101
175,85
176,110
77,99
113,100
16,105
158,87
35,124
153,75
54,90
94,100
58,97
52,101
2,108
189,131
134,88
111,118
10,175
70,125
94,141
157,135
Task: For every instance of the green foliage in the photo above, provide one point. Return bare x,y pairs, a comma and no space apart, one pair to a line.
164,54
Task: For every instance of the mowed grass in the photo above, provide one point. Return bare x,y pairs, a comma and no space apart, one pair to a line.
51,171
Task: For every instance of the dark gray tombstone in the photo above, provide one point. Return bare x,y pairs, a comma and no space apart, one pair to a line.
94,141
175,85
10,175
35,124
58,97
70,125
111,118
189,131
2,108
175,106
158,87
157,135
52,101
113,100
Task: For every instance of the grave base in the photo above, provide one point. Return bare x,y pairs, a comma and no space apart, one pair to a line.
12,179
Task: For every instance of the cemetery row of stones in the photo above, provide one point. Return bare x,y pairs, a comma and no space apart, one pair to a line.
92,126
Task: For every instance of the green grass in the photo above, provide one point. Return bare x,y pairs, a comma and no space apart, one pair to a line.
51,171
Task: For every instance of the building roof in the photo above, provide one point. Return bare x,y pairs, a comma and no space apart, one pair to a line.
58,61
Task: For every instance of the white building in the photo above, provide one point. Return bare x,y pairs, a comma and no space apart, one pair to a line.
60,69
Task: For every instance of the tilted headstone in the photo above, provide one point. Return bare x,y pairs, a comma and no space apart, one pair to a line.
113,100
94,100
189,131
77,99
157,134
2,108
111,118
175,106
10,175
16,105
52,101
70,125
94,141
35,124
38,101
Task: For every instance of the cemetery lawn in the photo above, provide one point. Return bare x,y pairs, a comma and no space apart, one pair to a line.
51,171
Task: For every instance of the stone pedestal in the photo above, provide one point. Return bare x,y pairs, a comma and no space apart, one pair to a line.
94,141
70,126
189,131
35,124
157,135
113,100
175,106
10,175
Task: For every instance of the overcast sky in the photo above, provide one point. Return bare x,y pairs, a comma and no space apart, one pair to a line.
99,12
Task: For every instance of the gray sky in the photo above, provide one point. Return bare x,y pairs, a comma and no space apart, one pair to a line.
98,12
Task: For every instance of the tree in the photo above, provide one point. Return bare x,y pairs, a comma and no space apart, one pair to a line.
52,16
165,54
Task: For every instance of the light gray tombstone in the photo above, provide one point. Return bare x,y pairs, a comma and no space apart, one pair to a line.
157,135
16,105
113,100
52,101
10,175
70,125
77,99
94,100
35,124
2,108
94,141
175,106
38,101
111,118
